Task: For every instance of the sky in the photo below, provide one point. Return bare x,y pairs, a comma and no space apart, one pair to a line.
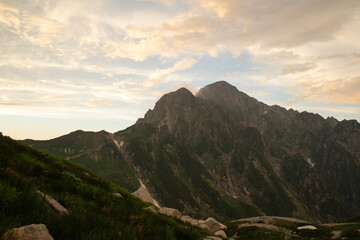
94,65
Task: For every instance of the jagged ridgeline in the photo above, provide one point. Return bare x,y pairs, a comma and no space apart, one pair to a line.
90,207
222,153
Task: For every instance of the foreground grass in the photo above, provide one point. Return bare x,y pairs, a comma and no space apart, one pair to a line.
94,211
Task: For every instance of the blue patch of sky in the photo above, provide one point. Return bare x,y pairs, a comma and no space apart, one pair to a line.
125,6
211,69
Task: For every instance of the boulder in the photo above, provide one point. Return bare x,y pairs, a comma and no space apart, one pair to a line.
190,220
53,203
310,227
172,212
203,226
118,195
144,195
213,225
29,232
220,233
151,209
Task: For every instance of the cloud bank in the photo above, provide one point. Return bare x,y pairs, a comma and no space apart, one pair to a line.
108,54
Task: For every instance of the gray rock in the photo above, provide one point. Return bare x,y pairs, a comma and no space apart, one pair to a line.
310,227
172,212
190,220
221,233
203,226
29,232
214,225
53,203
151,209
118,195
144,194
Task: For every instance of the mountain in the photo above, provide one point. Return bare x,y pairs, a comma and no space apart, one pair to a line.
96,151
225,154
94,208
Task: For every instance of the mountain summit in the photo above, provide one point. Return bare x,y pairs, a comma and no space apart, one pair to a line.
225,154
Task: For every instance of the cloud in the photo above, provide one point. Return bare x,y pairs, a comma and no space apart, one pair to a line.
165,2
96,103
11,104
297,67
86,50
336,91
160,74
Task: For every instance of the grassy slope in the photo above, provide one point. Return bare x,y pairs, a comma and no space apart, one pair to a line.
272,228
94,150
95,213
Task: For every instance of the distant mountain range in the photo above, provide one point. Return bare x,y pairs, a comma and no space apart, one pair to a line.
222,153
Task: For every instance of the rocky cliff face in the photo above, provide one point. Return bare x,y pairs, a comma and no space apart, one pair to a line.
225,154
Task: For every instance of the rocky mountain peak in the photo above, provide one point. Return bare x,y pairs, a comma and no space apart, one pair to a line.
241,107
170,105
220,89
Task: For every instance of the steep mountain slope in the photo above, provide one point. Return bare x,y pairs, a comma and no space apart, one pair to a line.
98,151
225,154
317,158
96,209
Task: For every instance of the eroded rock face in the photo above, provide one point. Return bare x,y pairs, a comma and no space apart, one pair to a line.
171,212
29,232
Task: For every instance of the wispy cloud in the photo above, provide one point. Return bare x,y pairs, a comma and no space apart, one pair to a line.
11,104
160,74
100,55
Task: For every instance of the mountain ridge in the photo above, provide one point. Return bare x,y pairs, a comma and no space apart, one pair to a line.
222,152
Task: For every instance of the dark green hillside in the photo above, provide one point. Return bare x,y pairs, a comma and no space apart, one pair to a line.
95,150
94,211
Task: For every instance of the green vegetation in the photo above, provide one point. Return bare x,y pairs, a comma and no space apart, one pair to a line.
259,233
94,150
94,211
354,219
320,233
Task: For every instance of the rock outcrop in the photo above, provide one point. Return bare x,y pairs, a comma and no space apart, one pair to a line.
188,219
171,212
29,232
144,195
211,225
118,195
53,203
309,227
220,233
151,209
